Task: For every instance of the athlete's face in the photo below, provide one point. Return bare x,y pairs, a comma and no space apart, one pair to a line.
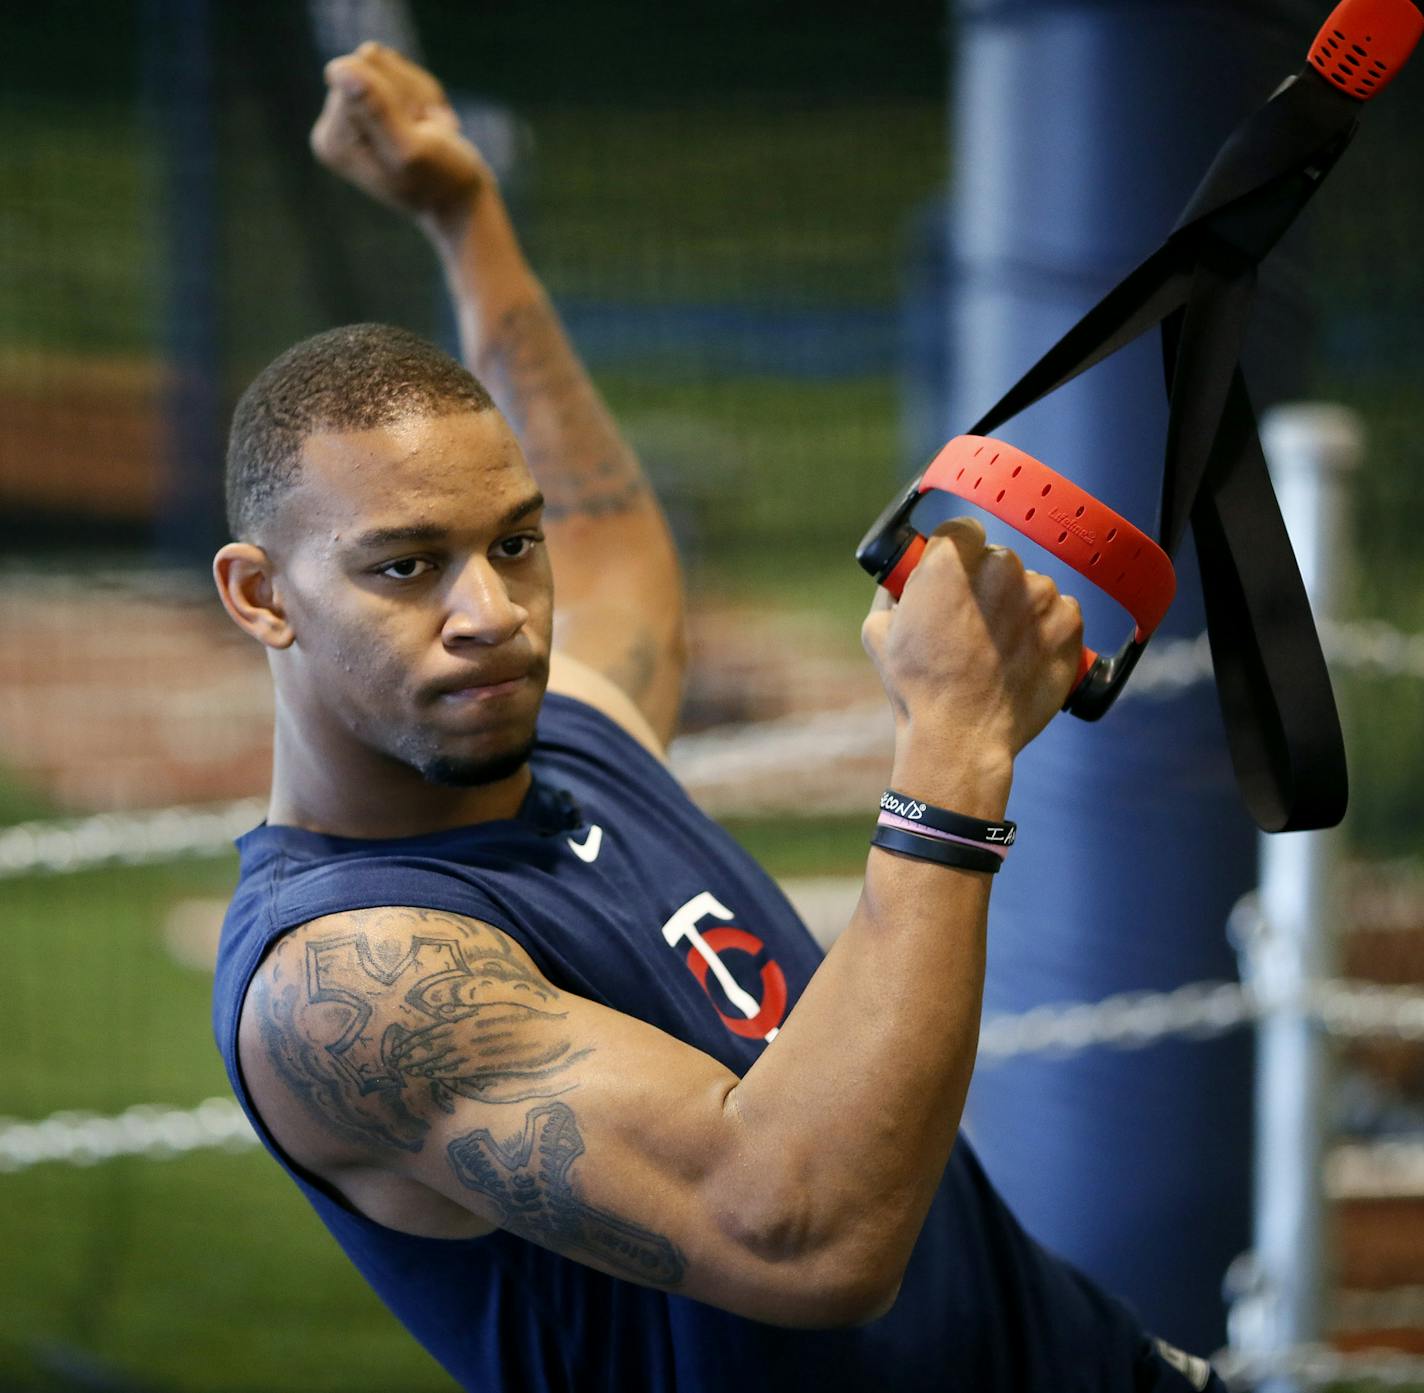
411,564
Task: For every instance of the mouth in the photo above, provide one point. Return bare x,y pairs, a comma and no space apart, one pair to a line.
482,691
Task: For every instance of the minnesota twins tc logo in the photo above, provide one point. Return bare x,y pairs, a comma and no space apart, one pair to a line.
758,1020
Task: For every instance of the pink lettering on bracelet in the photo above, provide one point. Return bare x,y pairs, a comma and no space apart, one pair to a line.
920,830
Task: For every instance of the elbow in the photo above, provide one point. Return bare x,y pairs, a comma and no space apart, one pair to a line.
840,1300
808,1271
854,1301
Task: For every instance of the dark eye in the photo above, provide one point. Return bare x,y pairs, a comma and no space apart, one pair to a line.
407,568
517,548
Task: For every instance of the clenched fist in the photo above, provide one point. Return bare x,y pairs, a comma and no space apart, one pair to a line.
388,128
979,653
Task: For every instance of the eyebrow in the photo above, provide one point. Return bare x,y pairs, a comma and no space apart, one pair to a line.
432,532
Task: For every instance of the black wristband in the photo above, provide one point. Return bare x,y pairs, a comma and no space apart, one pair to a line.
965,858
942,820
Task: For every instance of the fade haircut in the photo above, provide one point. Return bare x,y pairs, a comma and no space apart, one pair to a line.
348,379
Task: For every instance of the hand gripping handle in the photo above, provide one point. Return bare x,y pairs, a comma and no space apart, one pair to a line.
1048,509
1364,43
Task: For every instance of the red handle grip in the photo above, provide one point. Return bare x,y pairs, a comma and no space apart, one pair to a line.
1086,659
1062,518
1365,43
1054,512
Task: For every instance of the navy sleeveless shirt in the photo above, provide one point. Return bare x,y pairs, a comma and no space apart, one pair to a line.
622,891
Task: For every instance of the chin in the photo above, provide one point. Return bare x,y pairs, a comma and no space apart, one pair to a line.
455,771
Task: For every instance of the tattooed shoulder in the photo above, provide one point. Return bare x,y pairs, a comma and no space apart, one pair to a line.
371,1019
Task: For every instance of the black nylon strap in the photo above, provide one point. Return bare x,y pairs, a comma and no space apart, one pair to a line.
1282,726
1148,292
1200,348
1283,729
1273,685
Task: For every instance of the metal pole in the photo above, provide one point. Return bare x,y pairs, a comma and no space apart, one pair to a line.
1312,450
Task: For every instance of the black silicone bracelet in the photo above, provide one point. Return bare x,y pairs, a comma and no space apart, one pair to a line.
942,820
965,858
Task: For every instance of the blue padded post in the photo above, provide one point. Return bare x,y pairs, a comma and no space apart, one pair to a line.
1080,130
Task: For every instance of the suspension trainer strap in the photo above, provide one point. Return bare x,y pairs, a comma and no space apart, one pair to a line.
1282,726
1283,729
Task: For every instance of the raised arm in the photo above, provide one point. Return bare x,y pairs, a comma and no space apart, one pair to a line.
429,1047
388,128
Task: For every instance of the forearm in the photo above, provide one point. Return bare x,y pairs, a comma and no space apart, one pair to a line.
618,584
850,1116
511,339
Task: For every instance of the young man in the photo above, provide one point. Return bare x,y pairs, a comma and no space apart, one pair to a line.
552,1059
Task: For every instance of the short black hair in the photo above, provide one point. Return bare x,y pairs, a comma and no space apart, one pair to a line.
353,378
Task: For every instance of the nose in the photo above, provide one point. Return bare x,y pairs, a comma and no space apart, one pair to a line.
479,608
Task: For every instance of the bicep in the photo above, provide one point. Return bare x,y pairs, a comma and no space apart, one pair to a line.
611,1165
429,1045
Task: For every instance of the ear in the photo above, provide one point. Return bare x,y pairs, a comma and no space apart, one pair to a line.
245,578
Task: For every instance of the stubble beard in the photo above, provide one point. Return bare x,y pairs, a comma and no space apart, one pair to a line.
425,750
452,771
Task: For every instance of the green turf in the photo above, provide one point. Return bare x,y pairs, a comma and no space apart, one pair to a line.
207,1271
203,1272
806,847
731,202
78,231
21,801
790,206
769,482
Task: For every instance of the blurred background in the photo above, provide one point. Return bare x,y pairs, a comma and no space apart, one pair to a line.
746,214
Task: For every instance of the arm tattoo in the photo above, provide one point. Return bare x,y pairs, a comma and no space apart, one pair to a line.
304,1065
527,1178
574,449
409,1000
412,1006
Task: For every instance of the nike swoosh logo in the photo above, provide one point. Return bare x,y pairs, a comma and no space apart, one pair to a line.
588,849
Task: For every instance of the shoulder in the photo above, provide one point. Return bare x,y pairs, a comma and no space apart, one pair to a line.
339,1036
568,676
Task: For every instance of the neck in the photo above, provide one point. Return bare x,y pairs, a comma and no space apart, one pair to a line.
358,792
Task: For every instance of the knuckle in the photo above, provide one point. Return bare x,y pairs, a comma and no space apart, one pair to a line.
1005,558
329,140
875,628
942,546
962,525
1042,592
